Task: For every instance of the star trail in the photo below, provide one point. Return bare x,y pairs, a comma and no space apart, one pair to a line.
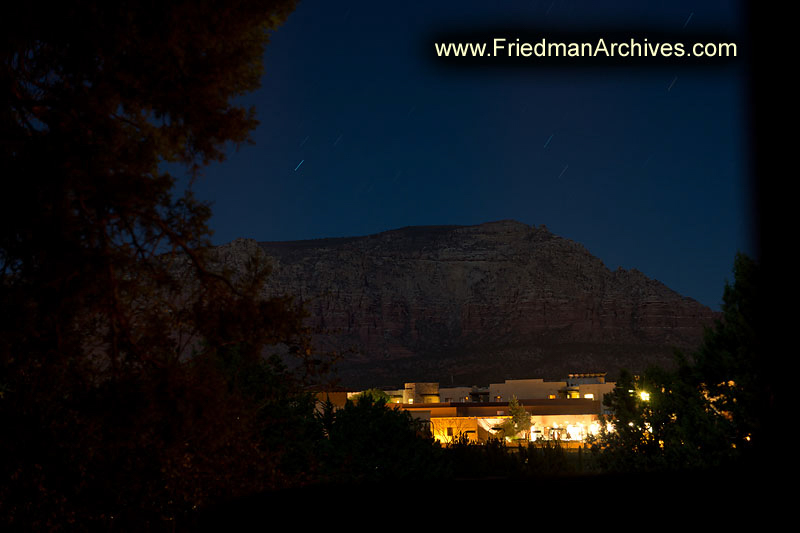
656,177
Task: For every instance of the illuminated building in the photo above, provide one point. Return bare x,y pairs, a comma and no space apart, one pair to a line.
566,410
553,419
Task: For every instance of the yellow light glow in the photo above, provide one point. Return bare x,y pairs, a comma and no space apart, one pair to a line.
574,433
644,396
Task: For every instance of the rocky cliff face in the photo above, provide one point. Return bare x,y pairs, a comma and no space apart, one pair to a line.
474,304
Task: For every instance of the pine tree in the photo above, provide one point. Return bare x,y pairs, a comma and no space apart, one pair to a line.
707,412
114,316
519,422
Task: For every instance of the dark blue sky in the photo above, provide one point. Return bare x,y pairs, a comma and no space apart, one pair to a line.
646,166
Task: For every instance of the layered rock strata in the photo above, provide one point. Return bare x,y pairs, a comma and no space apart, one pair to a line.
473,304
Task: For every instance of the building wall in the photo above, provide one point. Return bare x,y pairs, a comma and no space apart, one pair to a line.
535,407
395,395
596,390
562,419
447,429
416,393
585,379
564,427
524,389
455,394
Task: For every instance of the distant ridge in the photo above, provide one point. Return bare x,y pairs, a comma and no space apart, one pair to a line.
473,304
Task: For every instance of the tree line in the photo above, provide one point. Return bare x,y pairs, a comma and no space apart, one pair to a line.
711,410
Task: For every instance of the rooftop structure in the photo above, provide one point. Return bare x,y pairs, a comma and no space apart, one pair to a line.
566,410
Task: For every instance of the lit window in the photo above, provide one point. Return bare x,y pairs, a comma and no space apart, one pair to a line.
589,396
411,400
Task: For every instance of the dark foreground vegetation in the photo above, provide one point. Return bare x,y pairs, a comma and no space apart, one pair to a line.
623,501
134,389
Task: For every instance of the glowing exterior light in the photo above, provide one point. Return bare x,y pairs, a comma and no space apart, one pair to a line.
574,432
644,396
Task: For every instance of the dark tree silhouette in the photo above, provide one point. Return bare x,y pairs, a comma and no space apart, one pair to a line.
731,365
707,413
369,441
114,316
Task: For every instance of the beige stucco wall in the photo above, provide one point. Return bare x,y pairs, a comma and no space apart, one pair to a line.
524,389
455,394
458,426
421,393
562,427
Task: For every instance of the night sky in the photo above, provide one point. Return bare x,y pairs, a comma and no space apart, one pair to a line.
363,130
